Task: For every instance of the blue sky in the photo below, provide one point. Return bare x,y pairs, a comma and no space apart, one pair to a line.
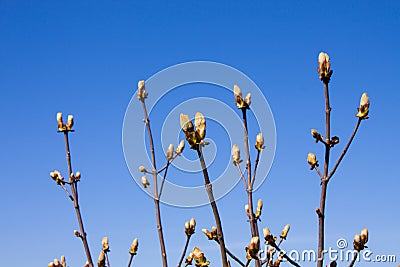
85,58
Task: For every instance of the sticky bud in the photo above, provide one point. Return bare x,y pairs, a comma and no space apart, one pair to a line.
63,262
141,93
357,243
180,147
186,123
192,223
200,123
312,160
142,168
364,235
70,123
285,231
104,243
324,70
239,101
170,151
77,176
199,257
259,208
316,135
247,99
253,248
145,182
101,261
363,110
236,154
134,247
60,123
268,237
259,142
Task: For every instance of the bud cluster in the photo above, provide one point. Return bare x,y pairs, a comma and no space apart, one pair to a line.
198,256
211,235
57,263
360,240
253,248
194,136
190,227
57,177
239,101
268,237
65,127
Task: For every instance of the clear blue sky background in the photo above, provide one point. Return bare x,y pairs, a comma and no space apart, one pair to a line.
85,58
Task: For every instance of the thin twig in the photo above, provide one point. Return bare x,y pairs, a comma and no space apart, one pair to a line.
156,194
66,191
285,256
345,149
163,179
247,262
184,250
74,191
130,260
249,189
355,256
168,162
108,262
280,241
324,183
241,175
232,255
319,173
255,167
214,207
